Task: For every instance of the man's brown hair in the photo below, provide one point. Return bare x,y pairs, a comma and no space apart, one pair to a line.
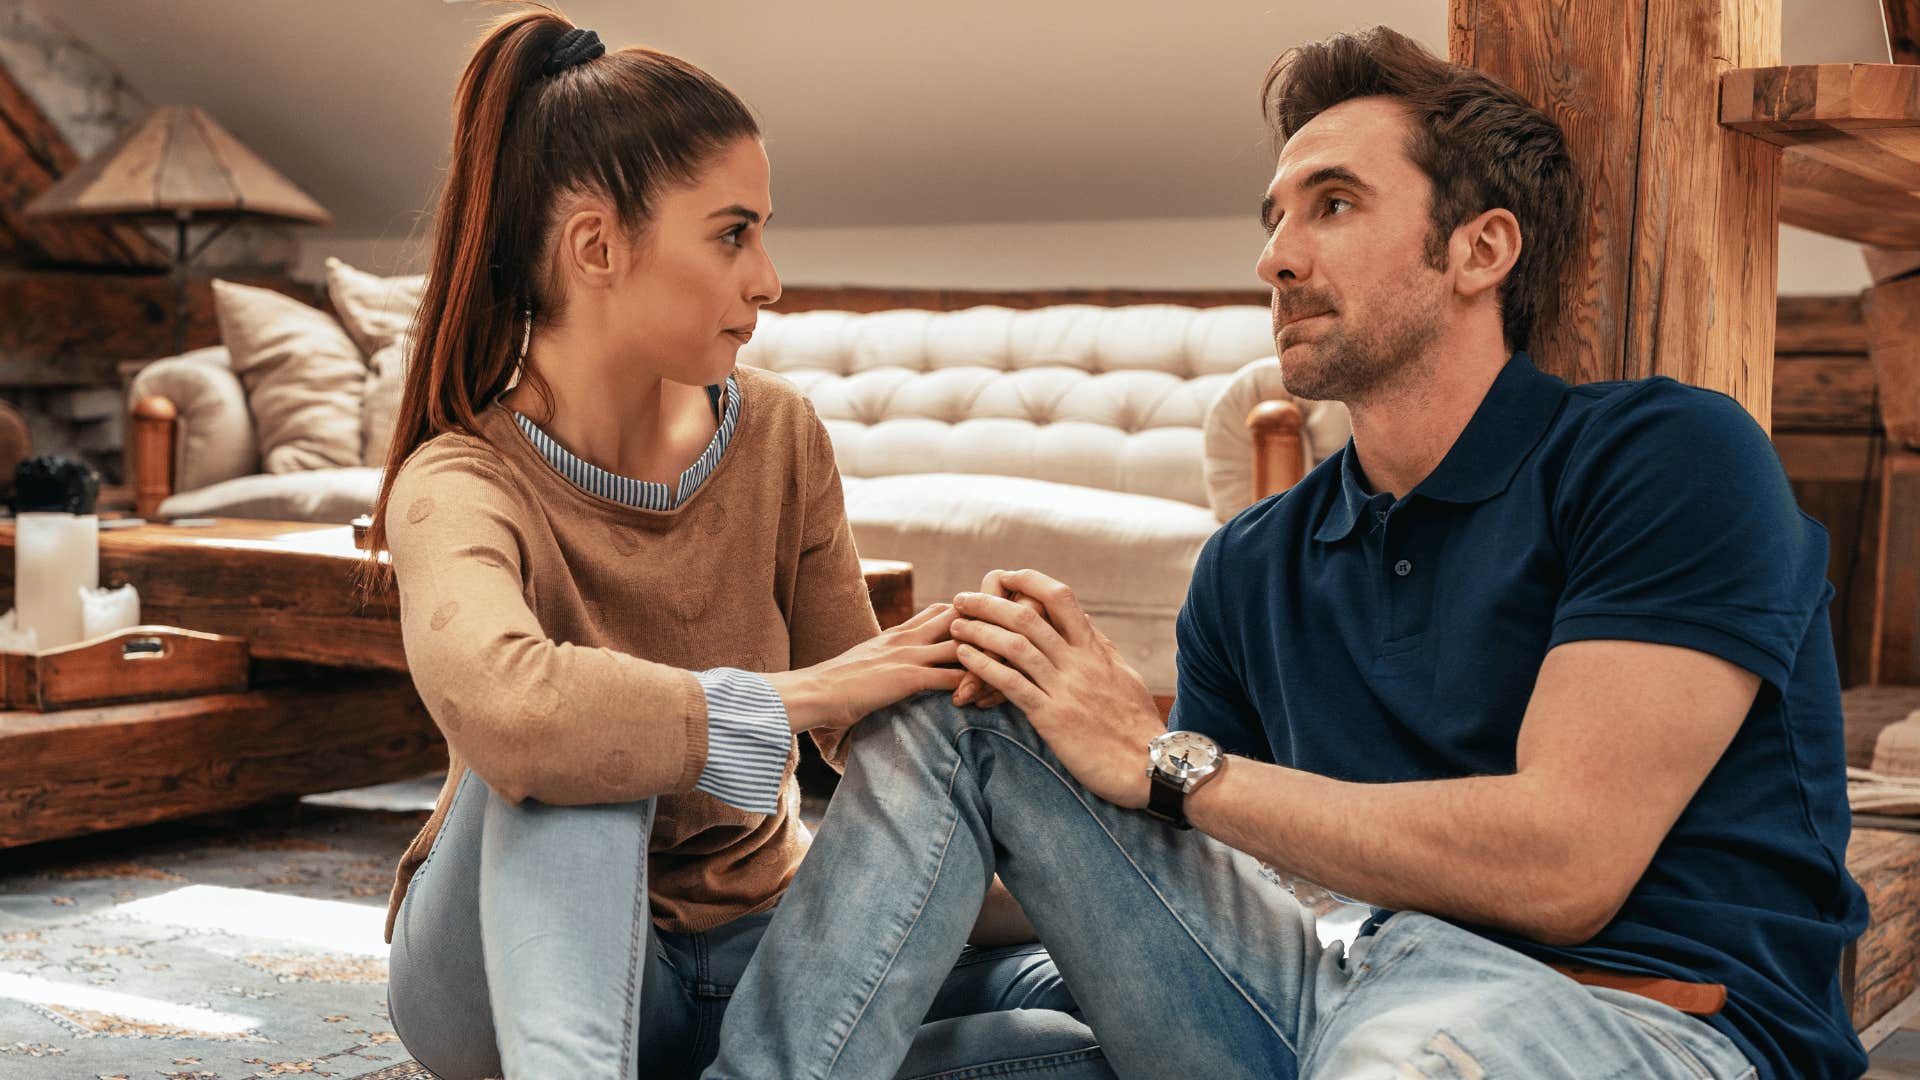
1480,143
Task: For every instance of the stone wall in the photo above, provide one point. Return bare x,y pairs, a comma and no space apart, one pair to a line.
90,104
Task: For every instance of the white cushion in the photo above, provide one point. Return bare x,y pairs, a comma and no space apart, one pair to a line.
374,309
1110,398
303,374
1127,557
380,405
333,496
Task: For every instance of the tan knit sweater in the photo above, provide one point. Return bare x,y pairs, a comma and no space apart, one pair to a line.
553,633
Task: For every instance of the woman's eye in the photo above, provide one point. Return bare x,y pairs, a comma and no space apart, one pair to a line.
733,236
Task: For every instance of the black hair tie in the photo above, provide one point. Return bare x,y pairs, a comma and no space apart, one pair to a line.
576,46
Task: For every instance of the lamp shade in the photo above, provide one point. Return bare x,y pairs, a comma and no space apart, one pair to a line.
177,162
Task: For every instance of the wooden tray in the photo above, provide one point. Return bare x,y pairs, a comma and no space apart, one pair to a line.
142,663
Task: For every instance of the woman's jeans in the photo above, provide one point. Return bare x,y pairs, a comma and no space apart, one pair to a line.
524,948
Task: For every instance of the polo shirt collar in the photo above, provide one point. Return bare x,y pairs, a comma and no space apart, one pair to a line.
1349,506
1510,421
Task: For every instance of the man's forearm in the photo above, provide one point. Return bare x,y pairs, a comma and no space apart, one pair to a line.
1475,849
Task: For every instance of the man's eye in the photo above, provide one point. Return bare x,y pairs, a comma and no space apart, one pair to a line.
1338,205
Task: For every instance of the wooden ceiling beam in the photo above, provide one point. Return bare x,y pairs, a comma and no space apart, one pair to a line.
1850,134
33,157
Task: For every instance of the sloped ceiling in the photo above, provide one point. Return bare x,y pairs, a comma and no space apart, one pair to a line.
876,111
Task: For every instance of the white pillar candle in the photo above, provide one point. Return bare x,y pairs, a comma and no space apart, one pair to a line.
103,611
54,557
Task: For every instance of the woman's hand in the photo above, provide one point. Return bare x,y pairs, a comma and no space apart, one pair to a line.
971,690
899,663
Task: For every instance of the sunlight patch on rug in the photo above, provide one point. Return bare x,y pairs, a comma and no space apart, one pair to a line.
333,926
91,1011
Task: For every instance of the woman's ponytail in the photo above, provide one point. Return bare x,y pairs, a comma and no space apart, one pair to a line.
456,359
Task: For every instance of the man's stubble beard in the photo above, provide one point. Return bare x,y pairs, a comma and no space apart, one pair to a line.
1355,364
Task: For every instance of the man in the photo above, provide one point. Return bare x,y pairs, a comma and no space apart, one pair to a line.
1541,673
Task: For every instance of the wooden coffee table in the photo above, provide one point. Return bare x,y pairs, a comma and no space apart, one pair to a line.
331,706
287,587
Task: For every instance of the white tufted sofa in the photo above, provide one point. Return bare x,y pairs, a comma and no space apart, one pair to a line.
1075,440
1102,445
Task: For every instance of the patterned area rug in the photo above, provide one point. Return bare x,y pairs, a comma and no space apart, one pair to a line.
234,946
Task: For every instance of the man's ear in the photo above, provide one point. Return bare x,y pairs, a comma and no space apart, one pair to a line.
587,249
1485,250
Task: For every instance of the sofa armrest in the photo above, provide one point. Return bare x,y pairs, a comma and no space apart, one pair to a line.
190,427
1254,437
1279,448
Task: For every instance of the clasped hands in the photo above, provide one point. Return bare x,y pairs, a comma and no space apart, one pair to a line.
1023,638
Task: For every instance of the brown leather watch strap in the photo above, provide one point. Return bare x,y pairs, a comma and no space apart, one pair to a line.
1694,999
1167,800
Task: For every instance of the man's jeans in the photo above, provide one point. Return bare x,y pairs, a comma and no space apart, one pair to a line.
527,928
1186,959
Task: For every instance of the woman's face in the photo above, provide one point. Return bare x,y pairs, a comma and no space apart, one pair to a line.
694,287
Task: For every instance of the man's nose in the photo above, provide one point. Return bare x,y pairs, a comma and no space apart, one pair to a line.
1283,259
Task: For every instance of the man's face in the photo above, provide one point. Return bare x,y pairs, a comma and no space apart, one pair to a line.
1356,304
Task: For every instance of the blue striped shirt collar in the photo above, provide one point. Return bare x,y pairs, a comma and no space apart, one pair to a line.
641,494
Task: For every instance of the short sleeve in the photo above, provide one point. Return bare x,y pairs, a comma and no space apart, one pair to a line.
1678,527
1209,697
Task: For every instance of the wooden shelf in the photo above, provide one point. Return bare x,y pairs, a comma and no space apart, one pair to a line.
1850,134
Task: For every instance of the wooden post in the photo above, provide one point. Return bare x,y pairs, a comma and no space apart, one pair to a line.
151,453
1678,270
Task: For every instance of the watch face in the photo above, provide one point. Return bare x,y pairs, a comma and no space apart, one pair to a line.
1184,754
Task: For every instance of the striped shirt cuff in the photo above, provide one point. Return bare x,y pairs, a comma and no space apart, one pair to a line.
748,739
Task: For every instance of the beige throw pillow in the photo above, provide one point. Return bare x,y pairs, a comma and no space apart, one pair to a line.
374,309
303,377
381,405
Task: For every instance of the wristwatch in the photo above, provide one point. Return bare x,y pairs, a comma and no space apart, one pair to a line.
1177,764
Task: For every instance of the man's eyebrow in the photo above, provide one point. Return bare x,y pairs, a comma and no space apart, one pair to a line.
736,210
1329,174
1337,174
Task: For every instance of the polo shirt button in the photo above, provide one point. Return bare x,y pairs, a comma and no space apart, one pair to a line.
1403,568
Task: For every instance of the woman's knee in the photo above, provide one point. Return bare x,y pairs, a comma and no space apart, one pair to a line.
437,1003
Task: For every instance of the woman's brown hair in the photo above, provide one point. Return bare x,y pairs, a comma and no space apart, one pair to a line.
1480,143
619,126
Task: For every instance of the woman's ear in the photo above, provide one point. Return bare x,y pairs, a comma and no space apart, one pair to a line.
1485,250
587,249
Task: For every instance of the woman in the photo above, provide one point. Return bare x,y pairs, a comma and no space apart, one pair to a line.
626,580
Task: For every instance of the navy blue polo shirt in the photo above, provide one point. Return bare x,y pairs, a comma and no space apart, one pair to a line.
1374,640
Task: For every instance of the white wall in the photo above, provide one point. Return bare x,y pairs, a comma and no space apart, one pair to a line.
1167,253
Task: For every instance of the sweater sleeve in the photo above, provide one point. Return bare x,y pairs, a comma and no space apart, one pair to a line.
831,610
533,717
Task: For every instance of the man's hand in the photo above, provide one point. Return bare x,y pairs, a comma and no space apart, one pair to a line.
971,690
1094,712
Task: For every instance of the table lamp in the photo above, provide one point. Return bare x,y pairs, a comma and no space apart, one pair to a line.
177,165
